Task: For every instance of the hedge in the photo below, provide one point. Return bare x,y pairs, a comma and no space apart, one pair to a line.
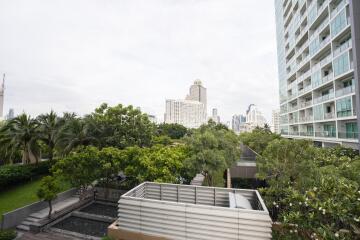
14,174
7,234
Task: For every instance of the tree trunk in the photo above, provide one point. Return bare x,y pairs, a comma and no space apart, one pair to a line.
50,209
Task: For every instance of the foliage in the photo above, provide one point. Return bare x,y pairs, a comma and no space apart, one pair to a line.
313,192
49,187
212,149
7,234
158,163
120,126
21,133
11,175
162,140
49,130
258,139
79,168
111,161
172,130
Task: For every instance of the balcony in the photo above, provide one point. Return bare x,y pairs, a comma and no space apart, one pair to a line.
345,91
324,98
330,115
307,134
338,8
319,28
294,133
306,119
305,104
346,45
325,134
348,135
305,89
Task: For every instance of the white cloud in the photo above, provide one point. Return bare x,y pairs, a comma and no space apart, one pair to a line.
74,54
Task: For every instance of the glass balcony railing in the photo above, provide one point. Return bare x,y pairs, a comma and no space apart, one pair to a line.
307,134
325,134
306,119
348,135
330,115
343,47
345,91
338,8
344,113
305,104
294,133
324,98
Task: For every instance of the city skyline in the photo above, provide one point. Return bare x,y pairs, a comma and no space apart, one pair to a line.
49,66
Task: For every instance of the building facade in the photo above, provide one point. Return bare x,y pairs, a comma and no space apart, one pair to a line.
318,47
275,121
238,123
215,117
185,112
254,118
198,93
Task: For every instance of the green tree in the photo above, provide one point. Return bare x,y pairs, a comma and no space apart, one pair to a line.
121,126
212,149
50,126
21,134
48,190
172,130
258,139
80,168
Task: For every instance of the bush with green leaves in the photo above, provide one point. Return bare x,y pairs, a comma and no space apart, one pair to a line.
48,190
258,139
314,193
11,175
7,234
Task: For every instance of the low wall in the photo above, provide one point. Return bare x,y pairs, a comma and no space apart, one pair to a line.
14,218
110,194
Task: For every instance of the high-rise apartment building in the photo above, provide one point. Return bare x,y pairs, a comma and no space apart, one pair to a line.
185,112
318,63
190,112
275,121
2,91
11,114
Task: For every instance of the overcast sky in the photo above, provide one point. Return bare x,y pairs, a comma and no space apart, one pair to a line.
72,55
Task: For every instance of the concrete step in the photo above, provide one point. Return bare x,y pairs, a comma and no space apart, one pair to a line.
23,227
26,223
31,219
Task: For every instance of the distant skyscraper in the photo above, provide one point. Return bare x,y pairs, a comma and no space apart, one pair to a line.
11,114
275,121
215,117
2,92
198,93
254,117
238,122
185,112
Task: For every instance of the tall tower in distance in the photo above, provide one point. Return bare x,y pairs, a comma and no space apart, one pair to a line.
198,93
2,91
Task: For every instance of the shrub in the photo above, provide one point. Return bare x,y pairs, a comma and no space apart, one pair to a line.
15,174
7,234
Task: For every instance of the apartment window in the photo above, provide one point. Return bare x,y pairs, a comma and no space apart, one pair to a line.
329,130
310,129
318,112
343,107
312,13
316,78
339,23
341,64
314,46
351,130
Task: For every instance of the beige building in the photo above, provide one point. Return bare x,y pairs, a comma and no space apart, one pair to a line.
254,118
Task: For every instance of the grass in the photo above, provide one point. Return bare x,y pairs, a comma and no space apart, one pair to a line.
22,195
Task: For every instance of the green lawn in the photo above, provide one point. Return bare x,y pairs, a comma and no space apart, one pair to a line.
21,196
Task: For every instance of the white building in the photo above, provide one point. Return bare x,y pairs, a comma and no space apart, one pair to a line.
238,123
190,112
2,91
318,45
254,118
198,93
275,121
185,112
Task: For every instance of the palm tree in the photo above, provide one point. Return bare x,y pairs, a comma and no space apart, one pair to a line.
49,130
22,133
75,132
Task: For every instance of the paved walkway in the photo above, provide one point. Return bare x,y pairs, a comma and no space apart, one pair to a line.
38,216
